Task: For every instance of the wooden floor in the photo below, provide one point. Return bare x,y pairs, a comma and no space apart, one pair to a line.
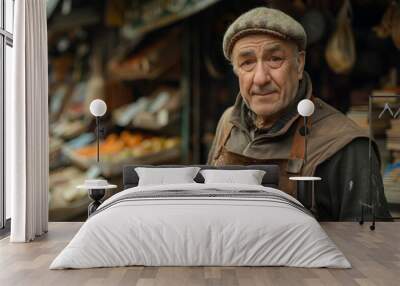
375,256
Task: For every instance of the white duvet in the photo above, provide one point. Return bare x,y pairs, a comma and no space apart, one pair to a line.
200,231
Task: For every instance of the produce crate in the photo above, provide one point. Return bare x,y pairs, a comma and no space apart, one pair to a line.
111,169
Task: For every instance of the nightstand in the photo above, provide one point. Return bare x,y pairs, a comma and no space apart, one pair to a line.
96,193
305,191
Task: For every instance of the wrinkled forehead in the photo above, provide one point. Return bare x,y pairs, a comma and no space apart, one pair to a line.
252,45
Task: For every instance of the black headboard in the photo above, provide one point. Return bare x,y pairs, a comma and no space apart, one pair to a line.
270,179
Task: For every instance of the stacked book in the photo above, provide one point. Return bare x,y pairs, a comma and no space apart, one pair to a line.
393,135
385,97
391,181
385,107
359,114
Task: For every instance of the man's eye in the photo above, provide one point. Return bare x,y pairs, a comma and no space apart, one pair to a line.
276,59
247,63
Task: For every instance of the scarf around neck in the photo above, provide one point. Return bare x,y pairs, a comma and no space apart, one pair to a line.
244,118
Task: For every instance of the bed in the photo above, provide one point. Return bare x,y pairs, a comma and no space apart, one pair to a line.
201,224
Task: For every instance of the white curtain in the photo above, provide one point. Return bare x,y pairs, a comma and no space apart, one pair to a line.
27,123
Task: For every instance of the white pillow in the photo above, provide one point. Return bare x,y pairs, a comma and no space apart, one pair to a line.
162,176
248,177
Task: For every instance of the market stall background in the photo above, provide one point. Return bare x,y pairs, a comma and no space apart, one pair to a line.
159,66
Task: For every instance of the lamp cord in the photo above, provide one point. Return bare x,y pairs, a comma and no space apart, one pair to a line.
98,135
305,139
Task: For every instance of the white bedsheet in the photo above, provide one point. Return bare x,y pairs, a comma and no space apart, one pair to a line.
200,231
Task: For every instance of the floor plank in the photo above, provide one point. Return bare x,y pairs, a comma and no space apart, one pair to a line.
374,255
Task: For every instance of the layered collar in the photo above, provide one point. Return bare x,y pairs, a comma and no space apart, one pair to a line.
244,118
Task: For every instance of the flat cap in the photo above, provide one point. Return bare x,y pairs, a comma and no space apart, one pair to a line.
264,20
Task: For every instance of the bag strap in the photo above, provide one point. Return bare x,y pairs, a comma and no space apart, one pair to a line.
226,128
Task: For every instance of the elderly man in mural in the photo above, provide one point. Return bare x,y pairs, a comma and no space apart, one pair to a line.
267,50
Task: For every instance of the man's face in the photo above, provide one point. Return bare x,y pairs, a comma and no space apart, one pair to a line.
269,70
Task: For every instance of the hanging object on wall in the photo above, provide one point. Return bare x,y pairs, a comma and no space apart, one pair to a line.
390,24
384,29
340,51
396,27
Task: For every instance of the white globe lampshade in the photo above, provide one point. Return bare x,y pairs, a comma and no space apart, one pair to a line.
305,107
98,107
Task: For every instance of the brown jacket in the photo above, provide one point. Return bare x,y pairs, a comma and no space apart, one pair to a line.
331,131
